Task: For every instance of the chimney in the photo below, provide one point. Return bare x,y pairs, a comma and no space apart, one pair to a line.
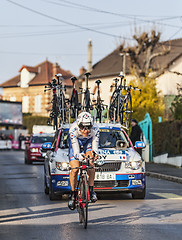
89,66
82,70
55,69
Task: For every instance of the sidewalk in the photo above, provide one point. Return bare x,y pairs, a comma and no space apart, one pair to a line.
164,171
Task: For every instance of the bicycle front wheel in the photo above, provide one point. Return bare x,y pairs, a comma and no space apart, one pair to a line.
83,202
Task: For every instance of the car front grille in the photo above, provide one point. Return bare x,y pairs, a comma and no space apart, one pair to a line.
108,167
40,158
119,183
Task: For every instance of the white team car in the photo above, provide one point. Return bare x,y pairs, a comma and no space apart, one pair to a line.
120,167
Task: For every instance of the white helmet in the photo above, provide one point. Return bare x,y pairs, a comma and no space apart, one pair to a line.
85,120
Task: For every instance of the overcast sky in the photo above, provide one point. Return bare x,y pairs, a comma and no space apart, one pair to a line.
33,30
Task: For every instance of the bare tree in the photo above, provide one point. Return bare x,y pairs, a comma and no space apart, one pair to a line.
144,52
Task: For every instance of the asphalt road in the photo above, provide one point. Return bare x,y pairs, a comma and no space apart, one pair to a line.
27,213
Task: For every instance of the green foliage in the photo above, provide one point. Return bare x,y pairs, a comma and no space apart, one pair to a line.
167,138
176,105
146,101
29,121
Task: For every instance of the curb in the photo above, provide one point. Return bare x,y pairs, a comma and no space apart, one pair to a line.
165,177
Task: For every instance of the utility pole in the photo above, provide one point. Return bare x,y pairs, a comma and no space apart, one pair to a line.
124,54
89,66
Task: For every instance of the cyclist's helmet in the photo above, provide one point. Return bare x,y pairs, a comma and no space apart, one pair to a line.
85,120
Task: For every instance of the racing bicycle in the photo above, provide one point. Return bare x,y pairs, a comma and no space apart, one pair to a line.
99,106
86,106
74,102
83,194
54,111
59,102
120,109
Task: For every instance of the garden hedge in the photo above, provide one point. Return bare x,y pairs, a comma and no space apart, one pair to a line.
167,138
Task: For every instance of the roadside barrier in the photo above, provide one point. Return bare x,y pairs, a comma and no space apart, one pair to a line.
8,145
5,144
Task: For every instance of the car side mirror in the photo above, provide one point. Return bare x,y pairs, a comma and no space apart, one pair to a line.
47,146
139,145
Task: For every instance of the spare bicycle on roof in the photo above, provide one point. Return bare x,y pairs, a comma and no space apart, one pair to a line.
66,110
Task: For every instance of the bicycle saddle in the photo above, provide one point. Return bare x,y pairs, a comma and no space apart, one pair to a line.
98,82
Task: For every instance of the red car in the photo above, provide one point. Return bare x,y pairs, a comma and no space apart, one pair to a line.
32,147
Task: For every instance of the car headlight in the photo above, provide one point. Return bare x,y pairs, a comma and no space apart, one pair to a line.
134,165
34,150
63,166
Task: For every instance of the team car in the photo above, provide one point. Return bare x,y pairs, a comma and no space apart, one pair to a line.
33,145
118,168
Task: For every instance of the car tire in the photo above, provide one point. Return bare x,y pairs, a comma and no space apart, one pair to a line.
52,195
27,161
139,195
46,189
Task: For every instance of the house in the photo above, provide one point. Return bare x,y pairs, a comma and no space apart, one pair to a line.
166,69
28,87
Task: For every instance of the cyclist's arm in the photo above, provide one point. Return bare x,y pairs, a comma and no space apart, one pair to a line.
74,141
95,140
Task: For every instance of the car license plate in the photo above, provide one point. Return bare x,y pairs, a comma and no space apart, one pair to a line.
105,176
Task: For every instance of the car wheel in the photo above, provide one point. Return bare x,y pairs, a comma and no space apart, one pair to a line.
139,195
52,195
27,161
46,189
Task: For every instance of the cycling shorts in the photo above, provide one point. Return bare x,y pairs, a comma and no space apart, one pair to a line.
84,142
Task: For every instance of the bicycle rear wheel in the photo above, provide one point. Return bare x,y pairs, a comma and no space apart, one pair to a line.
113,109
87,101
126,112
74,104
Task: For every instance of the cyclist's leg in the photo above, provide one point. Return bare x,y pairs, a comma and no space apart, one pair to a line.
72,177
91,172
73,164
88,151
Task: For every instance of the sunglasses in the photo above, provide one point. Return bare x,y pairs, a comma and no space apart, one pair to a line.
84,127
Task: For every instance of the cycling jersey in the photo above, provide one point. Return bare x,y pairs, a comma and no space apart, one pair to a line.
89,143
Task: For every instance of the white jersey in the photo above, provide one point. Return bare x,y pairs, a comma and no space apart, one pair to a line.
75,134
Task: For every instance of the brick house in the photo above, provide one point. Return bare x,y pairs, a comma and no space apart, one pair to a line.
165,69
28,87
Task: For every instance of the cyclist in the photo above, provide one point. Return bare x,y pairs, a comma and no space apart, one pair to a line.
83,134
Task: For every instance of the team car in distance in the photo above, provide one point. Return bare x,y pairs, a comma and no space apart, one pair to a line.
119,167
33,145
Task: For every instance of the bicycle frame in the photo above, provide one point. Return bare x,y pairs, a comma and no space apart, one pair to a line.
99,106
86,100
83,196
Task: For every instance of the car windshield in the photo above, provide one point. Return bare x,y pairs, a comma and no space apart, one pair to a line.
109,137
42,139
64,141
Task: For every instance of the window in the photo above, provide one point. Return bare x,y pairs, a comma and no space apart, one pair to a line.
64,143
109,137
25,104
42,139
13,99
37,106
